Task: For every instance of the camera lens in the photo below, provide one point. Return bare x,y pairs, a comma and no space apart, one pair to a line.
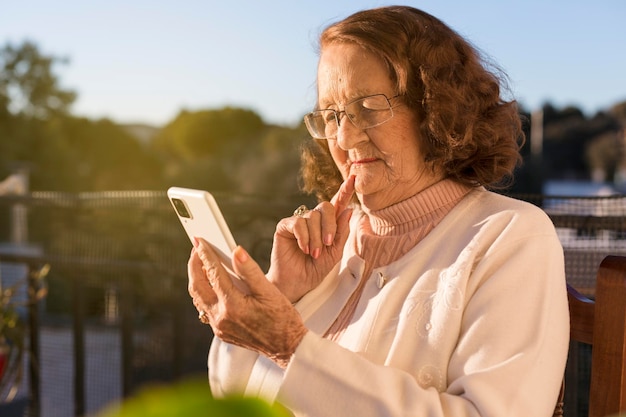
180,207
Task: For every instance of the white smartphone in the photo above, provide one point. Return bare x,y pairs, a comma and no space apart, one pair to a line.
200,216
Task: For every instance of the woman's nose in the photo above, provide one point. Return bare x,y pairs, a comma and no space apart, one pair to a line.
348,135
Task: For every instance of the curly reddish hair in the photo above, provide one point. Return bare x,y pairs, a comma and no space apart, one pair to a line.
468,129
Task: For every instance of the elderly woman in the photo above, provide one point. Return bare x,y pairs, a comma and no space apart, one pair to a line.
427,294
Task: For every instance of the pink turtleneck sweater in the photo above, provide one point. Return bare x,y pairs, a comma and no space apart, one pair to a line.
386,235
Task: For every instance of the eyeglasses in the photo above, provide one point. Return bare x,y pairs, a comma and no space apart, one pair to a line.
364,113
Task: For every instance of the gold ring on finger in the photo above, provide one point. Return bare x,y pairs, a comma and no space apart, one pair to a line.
203,317
301,211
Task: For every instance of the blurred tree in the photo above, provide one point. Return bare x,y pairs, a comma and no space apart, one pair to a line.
527,176
228,149
604,154
72,154
574,146
553,115
231,150
65,153
567,134
97,155
208,132
30,95
619,112
271,166
28,85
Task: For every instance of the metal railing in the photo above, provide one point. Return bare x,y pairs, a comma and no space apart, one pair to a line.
117,276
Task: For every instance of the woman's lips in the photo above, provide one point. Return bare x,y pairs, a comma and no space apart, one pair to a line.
364,161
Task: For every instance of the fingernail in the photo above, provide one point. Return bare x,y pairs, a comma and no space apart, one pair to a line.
328,239
241,254
316,253
196,242
307,250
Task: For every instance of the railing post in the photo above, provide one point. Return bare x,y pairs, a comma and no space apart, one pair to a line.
78,333
126,329
34,356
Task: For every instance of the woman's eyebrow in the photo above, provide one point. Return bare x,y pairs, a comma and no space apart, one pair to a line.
357,94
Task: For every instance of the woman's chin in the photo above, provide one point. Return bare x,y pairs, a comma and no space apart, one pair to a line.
373,201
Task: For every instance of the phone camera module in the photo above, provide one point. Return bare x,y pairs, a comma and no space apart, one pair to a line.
181,208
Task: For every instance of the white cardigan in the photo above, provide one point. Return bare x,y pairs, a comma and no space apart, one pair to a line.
473,321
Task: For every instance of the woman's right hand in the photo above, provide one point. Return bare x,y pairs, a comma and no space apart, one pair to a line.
307,247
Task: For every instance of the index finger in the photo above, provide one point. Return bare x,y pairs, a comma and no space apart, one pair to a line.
213,269
341,200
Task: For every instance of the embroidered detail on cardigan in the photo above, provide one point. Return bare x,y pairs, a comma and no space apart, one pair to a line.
430,376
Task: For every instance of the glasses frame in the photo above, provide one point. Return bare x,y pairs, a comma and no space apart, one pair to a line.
337,116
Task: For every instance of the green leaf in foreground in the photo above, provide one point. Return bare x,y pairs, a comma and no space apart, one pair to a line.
189,399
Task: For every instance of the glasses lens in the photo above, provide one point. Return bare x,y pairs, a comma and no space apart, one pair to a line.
364,113
369,111
322,124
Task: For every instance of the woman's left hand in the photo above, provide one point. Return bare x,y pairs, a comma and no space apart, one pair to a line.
306,247
257,317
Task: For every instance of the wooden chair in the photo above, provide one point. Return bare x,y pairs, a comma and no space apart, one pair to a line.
602,324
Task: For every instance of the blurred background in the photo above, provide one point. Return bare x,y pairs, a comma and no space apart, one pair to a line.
119,96
104,105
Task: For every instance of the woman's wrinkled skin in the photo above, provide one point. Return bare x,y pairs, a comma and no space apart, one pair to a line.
387,160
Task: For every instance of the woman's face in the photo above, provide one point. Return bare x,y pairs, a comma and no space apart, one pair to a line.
386,160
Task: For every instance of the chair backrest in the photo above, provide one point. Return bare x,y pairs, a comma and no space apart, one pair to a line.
602,324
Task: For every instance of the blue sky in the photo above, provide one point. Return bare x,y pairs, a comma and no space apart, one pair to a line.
144,61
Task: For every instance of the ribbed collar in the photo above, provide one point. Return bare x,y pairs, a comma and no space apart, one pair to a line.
424,208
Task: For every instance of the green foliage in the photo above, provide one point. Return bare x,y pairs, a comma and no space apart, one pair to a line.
619,112
77,154
65,153
13,331
573,146
229,149
190,398
272,164
208,132
101,156
28,85
553,115
605,153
